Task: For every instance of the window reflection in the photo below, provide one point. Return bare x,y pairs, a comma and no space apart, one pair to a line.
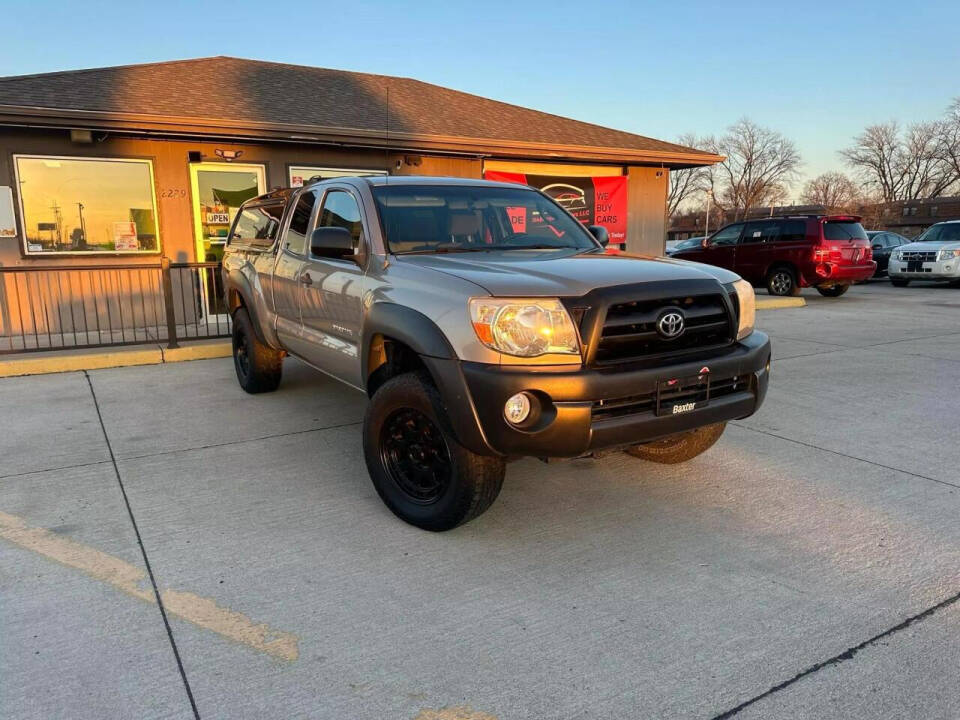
87,205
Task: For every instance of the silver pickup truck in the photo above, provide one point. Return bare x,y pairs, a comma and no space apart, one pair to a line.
485,323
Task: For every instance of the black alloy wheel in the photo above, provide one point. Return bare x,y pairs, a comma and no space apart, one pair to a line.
415,454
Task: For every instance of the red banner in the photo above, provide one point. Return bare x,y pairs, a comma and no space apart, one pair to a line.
593,200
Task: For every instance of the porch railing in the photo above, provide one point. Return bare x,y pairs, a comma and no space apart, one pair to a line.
83,306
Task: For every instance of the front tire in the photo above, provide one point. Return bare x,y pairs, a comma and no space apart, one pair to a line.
782,281
417,466
679,448
259,367
897,282
835,291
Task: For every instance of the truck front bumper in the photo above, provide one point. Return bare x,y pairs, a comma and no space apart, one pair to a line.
577,412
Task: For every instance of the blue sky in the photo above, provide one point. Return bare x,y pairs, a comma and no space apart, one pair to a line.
818,72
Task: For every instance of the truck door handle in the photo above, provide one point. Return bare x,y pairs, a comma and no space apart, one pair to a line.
306,279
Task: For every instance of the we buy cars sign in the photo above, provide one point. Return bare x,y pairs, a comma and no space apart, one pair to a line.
591,200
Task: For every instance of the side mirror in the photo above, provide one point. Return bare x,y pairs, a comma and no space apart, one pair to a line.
705,243
600,233
878,246
331,242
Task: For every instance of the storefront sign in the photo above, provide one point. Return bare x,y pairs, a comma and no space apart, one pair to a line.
592,200
217,218
125,236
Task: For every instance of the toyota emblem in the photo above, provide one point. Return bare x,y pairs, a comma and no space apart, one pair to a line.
670,324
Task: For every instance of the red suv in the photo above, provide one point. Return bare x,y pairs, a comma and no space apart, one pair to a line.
828,252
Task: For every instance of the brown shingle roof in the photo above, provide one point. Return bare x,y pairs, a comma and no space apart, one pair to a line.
230,93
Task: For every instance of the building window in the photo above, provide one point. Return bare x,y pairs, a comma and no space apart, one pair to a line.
86,205
934,210
300,174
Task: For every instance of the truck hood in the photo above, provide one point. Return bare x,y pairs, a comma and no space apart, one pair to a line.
553,273
929,246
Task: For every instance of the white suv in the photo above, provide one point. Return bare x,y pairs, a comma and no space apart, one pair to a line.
935,255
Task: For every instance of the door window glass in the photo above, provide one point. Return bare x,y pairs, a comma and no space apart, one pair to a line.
340,209
296,238
257,226
761,232
727,236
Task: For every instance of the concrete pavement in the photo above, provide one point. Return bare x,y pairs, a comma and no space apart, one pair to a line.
805,567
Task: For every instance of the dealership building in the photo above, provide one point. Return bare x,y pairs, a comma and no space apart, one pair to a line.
135,163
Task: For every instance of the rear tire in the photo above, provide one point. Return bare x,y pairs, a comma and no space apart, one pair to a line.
835,291
897,282
782,281
417,466
259,367
679,448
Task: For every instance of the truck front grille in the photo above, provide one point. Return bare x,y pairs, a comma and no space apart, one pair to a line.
630,334
918,256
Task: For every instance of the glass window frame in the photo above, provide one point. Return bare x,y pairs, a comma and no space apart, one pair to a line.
25,245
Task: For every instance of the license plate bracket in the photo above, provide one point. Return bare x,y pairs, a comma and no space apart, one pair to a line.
674,396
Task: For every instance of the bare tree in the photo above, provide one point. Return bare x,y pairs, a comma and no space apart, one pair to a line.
950,138
903,165
760,165
833,190
685,184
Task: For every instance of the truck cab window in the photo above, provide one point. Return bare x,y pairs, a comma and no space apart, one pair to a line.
340,209
296,238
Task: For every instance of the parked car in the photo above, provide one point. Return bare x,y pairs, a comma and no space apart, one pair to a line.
485,323
678,245
883,243
935,255
828,252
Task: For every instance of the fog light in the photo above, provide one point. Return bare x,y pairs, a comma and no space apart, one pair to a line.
517,408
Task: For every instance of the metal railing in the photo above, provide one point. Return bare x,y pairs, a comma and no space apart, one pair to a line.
83,306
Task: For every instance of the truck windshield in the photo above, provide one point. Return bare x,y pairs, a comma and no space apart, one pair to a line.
464,218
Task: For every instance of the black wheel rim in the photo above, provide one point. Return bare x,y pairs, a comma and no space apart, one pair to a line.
241,356
781,283
415,454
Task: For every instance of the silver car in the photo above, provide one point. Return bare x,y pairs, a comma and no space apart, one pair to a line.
935,255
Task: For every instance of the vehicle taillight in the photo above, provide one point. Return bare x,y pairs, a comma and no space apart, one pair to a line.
868,253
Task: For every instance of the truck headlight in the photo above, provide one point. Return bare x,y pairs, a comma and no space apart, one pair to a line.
748,307
898,255
525,327
945,254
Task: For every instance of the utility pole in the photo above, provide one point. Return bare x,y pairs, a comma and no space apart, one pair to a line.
58,218
83,227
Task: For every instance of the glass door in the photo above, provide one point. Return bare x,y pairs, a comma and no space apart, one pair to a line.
218,190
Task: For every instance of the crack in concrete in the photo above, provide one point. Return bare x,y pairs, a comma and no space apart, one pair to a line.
849,457
840,657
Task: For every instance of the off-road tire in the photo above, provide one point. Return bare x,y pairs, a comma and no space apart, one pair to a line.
897,282
259,367
782,281
679,448
472,482
835,291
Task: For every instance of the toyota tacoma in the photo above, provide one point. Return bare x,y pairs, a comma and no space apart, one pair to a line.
485,323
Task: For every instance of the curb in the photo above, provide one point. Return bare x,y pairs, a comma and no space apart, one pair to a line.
98,359
782,302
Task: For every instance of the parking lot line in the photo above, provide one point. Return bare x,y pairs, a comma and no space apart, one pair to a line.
201,611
